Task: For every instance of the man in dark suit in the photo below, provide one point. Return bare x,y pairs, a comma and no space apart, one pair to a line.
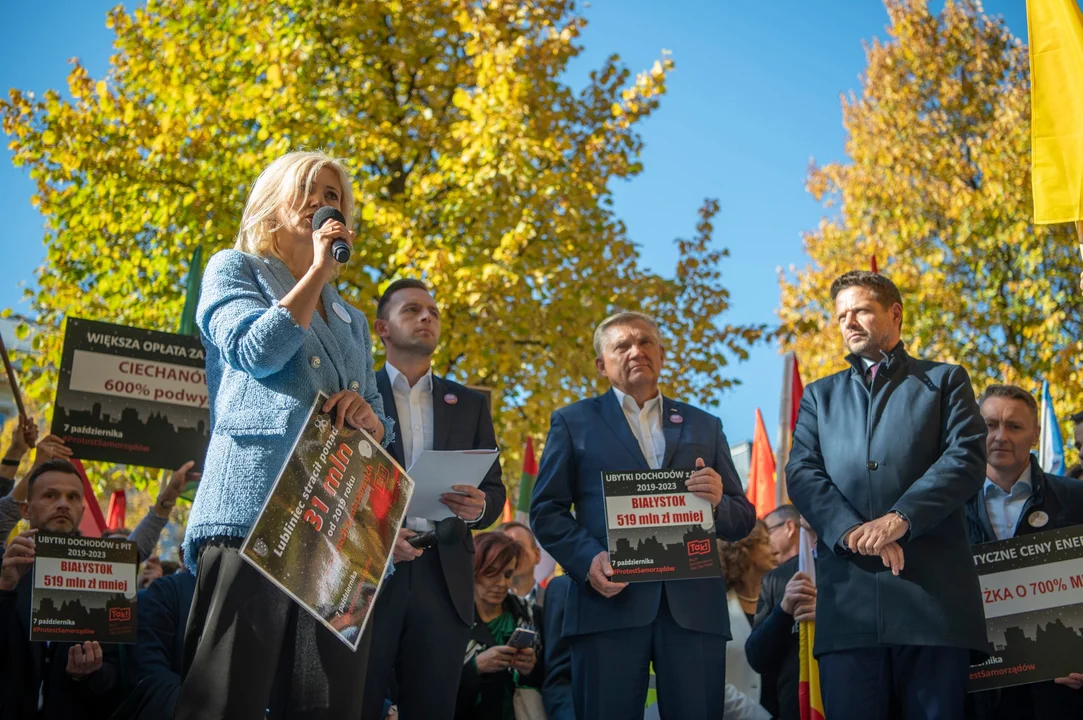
158,658
1019,499
557,688
786,598
55,680
885,456
617,629
423,615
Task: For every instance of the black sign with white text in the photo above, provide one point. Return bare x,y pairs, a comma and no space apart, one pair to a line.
327,531
131,396
84,589
657,529
1032,589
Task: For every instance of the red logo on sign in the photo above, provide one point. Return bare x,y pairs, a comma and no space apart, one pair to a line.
699,547
120,614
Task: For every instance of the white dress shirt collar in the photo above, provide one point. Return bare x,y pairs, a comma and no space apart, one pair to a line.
646,425
397,379
627,401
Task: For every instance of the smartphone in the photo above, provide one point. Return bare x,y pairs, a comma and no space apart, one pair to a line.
522,638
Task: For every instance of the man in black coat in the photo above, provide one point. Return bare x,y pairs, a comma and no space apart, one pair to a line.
423,615
786,598
1019,499
55,680
885,456
158,659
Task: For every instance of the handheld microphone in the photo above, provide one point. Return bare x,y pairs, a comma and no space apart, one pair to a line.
447,532
340,248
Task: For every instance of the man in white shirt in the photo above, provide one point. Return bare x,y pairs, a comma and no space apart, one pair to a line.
616,630
423,615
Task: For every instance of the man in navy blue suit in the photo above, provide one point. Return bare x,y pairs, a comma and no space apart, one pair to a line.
616,630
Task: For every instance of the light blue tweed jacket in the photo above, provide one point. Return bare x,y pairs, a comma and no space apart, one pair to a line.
263,373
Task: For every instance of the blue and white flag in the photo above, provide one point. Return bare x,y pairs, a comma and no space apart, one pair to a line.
1051,443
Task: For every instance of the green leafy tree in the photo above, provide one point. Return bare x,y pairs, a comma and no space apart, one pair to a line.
936,185
475,168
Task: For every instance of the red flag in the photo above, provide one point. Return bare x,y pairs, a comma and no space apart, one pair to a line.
874,269
93,524
761,475
792,389
118,506
797,389
526,482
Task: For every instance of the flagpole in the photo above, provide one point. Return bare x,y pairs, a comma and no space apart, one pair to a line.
12,380
1079,233
782,452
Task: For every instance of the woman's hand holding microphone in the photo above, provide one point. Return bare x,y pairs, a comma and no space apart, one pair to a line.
323,261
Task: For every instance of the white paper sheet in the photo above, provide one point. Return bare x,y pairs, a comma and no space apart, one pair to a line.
437,470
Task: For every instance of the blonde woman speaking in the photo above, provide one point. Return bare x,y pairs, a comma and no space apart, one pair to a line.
276,332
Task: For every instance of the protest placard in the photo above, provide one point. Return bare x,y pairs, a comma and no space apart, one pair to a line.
131,396
327,531
657,529
1032,590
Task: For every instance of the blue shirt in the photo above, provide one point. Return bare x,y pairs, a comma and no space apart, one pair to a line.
1004,507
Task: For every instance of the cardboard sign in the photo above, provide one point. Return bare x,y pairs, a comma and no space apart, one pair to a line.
84,589
1032,589
657,529
131,396
326,534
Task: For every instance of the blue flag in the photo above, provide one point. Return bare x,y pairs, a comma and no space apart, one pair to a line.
1051,443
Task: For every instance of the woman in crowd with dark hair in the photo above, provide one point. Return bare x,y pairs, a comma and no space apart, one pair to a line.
493,672
744,563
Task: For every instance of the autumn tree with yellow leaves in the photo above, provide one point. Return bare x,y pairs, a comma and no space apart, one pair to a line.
936,186
476,168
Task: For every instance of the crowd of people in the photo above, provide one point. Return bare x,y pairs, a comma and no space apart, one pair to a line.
896,470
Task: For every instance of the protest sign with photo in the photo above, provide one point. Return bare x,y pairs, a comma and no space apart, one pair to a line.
84,589
327,531
131,396
1032,589
657,529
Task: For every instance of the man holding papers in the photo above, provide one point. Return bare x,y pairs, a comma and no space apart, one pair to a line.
423,615
617,629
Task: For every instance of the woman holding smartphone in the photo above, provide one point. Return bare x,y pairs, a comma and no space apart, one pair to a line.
503,656
276,333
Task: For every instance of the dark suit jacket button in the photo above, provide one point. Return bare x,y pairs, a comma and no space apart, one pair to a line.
871,465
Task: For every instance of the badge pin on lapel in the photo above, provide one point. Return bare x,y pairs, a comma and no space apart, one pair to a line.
341,312
675,418
451,398
1038,519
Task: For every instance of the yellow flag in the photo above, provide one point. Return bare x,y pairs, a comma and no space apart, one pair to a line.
1056,98
809,700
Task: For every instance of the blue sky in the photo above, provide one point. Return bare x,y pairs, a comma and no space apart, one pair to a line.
754,97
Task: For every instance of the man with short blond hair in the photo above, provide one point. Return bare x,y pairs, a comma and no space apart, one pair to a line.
616,630
1018,498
